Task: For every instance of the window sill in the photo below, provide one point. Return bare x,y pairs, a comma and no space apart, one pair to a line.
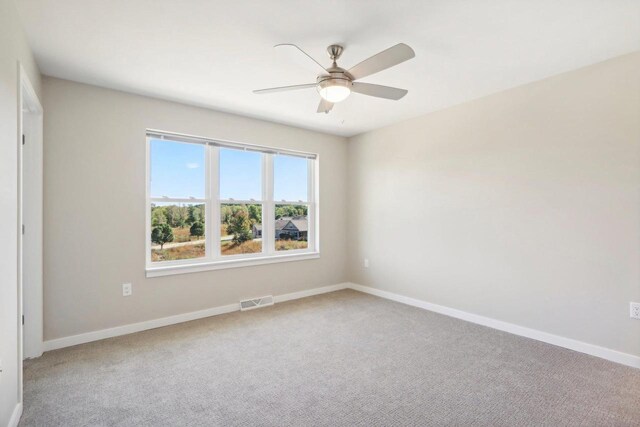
233,263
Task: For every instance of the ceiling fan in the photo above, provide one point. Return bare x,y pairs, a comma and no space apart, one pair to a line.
335,84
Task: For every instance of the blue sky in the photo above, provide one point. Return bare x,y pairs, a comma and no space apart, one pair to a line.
289,178
177,170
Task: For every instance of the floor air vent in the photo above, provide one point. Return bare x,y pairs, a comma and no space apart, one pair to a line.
250,304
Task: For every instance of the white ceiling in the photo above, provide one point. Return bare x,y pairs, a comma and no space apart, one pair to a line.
213,53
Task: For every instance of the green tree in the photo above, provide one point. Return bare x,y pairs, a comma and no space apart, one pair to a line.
240,227
182,214
194,214
176,215
157,215
197,229
290,210
237,208
226,213
171,214
255,214
162,234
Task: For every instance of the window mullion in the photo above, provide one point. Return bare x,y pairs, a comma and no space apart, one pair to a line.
268,212
214,197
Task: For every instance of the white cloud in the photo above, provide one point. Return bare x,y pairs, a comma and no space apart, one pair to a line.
192,165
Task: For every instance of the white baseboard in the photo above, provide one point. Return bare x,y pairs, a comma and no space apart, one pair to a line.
15,417
172,320
309,292
571,344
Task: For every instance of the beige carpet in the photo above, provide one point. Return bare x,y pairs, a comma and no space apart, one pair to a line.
339,359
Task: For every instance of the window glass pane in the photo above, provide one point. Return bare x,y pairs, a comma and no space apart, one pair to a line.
240,229
290,178
292,227
240,175
177,169
177,231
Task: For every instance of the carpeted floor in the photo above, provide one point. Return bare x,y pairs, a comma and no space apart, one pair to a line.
339,359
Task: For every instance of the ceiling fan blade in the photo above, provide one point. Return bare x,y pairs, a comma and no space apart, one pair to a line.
383,60
289,47
324,106
284,88
378,91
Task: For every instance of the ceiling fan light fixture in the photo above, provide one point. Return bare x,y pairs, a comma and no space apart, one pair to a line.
334,90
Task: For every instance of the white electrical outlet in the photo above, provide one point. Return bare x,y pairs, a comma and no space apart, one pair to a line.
126,289
366,263
634,310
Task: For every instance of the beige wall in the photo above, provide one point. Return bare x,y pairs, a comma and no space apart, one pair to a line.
523,206
95,211
13,48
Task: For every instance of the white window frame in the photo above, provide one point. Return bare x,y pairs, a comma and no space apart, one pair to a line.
213,260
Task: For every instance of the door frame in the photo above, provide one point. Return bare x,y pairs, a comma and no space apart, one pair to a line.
30,124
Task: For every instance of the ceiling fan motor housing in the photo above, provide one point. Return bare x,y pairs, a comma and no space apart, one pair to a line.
336,74
340,78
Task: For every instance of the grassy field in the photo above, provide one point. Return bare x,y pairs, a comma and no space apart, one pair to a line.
287,245
181,234
250,247
180,252
227,248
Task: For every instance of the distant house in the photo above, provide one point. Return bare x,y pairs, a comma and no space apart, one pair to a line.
288,228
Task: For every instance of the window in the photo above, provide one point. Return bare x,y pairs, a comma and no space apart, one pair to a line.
214,204
291,191
241,201
177,231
